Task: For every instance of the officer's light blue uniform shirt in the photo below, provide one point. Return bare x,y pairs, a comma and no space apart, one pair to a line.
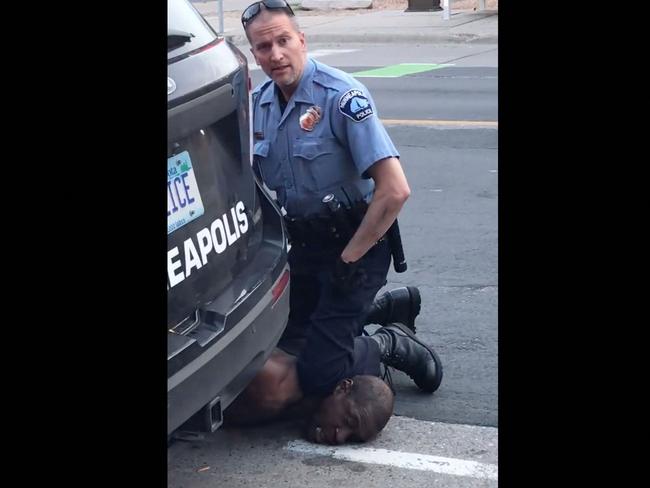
303,166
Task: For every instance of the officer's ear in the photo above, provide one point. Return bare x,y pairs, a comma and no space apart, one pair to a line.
303,43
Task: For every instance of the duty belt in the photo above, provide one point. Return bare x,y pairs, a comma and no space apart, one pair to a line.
316,231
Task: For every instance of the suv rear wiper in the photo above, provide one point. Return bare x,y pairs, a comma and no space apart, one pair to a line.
176,38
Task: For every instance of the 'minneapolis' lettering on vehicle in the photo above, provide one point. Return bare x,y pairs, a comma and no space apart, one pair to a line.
223,232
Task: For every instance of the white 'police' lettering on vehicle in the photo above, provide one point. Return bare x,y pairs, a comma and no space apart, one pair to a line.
355,105
223,232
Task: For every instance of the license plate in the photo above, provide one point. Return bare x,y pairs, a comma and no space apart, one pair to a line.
183,198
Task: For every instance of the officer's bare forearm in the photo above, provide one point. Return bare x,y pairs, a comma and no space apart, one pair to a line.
378,219
391,192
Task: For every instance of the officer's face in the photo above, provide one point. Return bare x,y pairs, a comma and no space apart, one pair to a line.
278,49
338,419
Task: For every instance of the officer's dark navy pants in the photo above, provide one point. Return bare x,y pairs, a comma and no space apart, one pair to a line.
330,319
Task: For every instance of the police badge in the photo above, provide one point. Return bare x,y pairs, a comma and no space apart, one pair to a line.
310,118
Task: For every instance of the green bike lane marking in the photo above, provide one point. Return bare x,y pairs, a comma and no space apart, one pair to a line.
397,70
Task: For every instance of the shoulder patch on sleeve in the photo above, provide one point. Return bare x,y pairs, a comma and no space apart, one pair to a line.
355,105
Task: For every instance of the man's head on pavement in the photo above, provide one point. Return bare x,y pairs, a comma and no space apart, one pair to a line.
356,411
276,42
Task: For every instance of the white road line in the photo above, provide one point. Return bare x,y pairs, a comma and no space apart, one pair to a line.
326,52
317,53
408,460
465,124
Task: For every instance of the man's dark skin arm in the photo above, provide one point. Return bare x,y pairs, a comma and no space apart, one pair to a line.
273,391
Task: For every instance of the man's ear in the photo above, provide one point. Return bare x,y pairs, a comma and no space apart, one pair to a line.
345,386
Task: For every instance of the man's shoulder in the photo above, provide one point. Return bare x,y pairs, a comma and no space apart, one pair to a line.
334,78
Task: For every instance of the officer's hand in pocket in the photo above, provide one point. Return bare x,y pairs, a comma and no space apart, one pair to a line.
348,276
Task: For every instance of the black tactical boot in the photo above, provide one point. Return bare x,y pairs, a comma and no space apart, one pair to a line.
399,305
402,350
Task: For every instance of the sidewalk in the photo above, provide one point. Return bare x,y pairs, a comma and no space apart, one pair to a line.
366,25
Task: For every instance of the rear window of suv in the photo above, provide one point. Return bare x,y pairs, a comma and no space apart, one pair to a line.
182,17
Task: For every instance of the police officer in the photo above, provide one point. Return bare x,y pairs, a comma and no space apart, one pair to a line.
317,137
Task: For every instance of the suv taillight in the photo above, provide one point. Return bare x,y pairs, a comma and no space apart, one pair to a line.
279,287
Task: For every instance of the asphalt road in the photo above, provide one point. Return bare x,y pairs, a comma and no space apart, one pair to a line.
449,227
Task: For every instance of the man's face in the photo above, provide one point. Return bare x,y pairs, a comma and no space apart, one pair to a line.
278,49
338,420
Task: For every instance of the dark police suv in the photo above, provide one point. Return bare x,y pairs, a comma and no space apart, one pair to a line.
227,272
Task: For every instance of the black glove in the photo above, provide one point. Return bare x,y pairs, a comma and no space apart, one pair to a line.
348,276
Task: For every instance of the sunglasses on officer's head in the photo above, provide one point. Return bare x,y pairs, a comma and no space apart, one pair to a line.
253,10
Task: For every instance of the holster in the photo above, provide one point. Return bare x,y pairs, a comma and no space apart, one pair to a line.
317,231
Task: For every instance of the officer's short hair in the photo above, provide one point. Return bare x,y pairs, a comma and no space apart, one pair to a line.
292,18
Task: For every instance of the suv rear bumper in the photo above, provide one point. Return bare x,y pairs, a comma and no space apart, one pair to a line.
228,365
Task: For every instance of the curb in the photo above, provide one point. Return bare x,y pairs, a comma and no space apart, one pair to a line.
240,40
